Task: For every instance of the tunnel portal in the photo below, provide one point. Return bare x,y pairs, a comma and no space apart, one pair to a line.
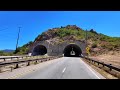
40,50
72,50
67,48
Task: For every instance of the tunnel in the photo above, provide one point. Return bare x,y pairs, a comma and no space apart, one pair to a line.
39,50
72,50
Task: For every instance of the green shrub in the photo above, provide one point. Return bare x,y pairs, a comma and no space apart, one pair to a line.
94,45
93,31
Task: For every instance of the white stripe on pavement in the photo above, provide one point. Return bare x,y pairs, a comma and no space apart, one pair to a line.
91,70
64,70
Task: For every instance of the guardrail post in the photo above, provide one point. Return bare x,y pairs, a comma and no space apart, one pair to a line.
11,58
98,63
0,69
16,66
103,64
110,67
11,68
28,64
4,59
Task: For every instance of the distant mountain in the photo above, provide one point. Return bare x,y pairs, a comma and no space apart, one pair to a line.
8,50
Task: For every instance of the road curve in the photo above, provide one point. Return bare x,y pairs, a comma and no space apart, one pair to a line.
64,68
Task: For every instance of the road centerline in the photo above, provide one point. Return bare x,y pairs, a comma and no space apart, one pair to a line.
64,70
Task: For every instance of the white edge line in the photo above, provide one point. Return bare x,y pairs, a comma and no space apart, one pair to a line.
91,70
64,70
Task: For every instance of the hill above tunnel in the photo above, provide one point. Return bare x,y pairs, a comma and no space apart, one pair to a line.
98,42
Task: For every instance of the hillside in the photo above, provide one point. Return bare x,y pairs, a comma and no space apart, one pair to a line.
23,49
99,43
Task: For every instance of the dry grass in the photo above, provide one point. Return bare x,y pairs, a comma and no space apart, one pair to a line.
109,58
103,71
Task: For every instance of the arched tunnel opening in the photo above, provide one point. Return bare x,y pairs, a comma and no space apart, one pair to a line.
72,50
39,50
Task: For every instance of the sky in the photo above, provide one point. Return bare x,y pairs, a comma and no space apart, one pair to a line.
33,23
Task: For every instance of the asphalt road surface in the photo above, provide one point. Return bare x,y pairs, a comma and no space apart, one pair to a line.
64,68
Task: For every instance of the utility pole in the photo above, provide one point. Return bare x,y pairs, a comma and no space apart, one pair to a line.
18,38
86,38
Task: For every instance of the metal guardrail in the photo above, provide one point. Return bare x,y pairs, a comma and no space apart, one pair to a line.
16,63
110,66
18,57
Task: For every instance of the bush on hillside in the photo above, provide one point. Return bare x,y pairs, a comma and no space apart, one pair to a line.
94,45
93,31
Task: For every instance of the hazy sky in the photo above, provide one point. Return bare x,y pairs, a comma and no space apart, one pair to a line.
35,22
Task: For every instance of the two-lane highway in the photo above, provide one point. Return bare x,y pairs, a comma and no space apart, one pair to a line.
64,68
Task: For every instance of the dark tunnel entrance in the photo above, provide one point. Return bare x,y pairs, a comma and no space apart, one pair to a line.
39,50
72,50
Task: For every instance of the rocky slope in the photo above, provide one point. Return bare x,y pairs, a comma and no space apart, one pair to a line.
99,43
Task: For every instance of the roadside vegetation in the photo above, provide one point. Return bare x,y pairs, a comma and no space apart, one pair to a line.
23,49
6,53
20,50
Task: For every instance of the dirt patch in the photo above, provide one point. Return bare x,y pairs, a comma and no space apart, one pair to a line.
109,58
97,68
